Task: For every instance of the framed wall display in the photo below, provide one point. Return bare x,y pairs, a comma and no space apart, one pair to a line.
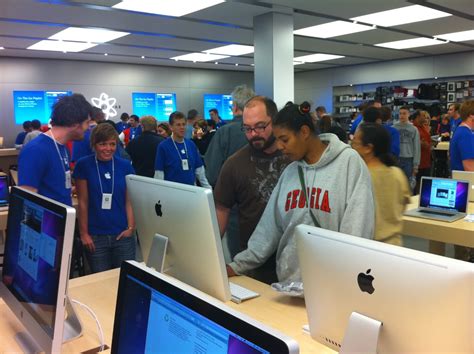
451,86
451,96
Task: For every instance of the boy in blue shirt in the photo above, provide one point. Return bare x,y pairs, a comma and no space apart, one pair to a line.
177,158
461,147
43,164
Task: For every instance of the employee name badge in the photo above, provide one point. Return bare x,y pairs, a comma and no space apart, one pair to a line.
68,180
185,164
107,201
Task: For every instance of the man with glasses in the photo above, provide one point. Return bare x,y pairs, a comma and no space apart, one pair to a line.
248,177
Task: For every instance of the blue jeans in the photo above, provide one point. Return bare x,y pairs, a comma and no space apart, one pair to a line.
110,253
406,164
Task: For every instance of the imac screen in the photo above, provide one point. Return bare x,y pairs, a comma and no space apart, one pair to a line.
445,194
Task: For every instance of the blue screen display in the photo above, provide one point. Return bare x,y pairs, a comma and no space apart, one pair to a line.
158,105
223,103
29,105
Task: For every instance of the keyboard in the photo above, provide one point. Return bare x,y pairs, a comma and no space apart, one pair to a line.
239,293
435,212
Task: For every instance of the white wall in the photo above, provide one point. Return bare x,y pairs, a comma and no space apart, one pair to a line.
117,80
316,86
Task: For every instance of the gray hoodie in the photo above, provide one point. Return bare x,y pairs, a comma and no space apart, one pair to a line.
340,196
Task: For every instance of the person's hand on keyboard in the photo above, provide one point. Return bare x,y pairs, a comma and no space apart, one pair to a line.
230,271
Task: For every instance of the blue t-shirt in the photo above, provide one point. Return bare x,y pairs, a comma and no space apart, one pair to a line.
355,124
169,160
20,138
41,167
461,147
135,132
121,126
81,148
105,221
395,140
189,131
453,123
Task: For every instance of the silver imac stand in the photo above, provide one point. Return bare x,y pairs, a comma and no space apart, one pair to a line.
157,254
362,335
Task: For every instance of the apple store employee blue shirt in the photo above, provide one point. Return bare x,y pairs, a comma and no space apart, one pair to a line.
169,160
105,221
461,147
41,167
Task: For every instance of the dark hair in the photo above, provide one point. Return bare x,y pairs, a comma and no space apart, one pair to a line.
379,138
270,105
293,117
320,109
325,124
406,108
134,116
212,124
103,132
26,124
371,114
97,115
386,113
192,113
214,110
165,127
35,124
70,110
456,105
124,116
176,115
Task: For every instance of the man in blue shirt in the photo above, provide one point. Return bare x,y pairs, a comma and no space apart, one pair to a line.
177,158
455,120
123,124
21,136
461,147
394,134
214,114
81,148
43,164
363,106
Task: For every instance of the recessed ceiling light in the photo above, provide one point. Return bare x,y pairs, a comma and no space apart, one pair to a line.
199,57
332,29
236,64
1,48
165,7
403,15
458,36
95,35
105,54
216,63
252,64
410,43
143,57
61,46
231,49
313,58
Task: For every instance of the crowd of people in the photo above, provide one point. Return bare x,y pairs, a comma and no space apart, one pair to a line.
269,170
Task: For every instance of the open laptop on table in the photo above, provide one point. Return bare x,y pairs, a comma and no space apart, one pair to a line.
466,176
4,192
441,199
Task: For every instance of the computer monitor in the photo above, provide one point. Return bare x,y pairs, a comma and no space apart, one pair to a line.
159,314
186,215
466,176
424,301
4,191
36,267
223,103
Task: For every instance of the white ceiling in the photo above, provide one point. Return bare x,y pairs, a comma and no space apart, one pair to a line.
158,38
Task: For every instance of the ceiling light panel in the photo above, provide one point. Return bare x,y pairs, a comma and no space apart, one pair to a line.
410,43
200,57
401,16
313,58
61,46
231,49
332,29
458,36
174,8
98,35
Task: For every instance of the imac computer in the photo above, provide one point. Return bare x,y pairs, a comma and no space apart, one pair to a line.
156,313
186,216
36,270
424,302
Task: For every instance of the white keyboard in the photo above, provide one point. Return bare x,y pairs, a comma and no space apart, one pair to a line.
239,293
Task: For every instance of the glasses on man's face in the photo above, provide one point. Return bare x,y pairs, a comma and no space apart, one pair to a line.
259,128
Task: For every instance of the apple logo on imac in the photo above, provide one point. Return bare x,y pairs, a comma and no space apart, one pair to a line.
158,209
365,282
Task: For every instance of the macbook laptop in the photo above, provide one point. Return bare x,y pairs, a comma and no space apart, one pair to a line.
4,192
441,199
466,176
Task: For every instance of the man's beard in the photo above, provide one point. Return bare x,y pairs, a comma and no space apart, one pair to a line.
263,146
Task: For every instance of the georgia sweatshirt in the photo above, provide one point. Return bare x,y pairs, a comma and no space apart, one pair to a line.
340,196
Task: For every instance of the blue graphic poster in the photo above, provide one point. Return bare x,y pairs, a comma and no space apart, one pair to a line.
158,105
29,105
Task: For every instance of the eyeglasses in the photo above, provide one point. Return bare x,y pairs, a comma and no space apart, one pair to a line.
260,128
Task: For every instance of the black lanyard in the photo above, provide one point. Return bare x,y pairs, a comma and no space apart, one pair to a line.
313,217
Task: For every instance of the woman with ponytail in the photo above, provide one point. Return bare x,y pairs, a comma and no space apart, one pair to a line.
391,190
